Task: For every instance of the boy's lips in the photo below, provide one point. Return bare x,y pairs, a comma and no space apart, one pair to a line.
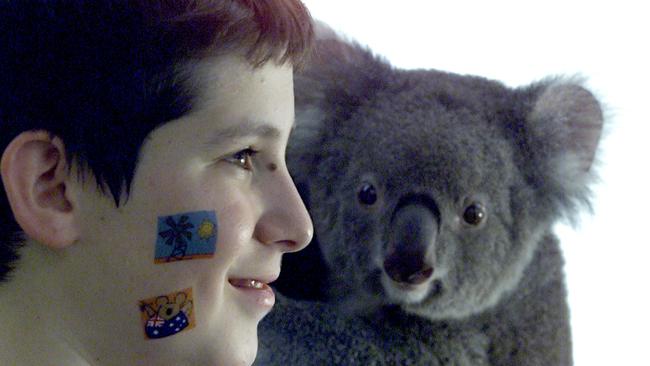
253,281
256,291
248,283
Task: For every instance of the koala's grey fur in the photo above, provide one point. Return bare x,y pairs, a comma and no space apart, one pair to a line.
431,144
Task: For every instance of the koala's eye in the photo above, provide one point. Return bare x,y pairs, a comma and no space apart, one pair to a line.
367,194
474,214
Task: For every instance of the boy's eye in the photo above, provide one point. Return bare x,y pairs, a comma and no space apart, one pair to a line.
243,158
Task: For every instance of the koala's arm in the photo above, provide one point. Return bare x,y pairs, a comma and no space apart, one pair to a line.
301,333
446,343
531,326
312,333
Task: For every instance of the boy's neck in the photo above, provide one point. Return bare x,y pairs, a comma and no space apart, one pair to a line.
28,335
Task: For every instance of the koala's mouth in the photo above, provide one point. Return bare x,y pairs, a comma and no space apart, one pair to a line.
405,293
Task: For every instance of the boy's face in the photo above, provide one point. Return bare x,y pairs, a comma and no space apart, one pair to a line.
199,163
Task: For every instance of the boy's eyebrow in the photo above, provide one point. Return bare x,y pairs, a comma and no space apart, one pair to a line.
242,130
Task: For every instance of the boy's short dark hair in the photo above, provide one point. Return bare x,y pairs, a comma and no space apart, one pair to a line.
101,75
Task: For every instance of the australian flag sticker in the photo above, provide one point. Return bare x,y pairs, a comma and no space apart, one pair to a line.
188,235
166,315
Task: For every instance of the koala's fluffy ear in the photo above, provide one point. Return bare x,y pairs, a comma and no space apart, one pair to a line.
574,112
563,131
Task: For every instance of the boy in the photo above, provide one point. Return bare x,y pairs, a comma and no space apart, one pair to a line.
146,202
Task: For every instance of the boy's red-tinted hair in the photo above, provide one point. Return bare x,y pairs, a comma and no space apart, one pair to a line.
102,75
266,29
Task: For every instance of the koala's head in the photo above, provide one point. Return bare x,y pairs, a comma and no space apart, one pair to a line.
168,309
431,190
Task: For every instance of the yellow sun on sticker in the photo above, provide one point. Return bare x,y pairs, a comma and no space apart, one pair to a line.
206,229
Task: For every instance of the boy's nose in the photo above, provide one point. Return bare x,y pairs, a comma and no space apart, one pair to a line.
285,221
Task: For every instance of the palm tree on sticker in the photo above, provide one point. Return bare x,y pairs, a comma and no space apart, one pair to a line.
177,236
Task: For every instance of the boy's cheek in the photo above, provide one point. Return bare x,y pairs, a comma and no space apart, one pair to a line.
181,236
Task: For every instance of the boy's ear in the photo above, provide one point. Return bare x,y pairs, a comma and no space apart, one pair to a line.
36,180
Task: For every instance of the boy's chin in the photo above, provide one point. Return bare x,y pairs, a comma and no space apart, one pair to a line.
242,354
234,348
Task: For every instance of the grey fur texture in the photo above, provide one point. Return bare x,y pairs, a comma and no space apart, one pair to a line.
433,197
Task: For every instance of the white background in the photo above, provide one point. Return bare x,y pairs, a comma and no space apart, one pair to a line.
517,42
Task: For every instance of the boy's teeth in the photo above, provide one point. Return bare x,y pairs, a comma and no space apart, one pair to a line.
248,283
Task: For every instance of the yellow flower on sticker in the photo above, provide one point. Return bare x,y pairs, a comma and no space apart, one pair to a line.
206,229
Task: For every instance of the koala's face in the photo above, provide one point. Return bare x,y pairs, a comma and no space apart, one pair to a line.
421,207
166,309
431,190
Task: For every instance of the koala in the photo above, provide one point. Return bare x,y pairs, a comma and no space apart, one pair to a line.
433,197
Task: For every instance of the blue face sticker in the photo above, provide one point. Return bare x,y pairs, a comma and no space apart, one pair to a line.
188,235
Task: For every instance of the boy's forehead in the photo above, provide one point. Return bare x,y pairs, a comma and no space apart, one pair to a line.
242,98
230,71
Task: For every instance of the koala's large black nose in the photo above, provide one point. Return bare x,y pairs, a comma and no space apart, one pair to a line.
411,243
407,269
